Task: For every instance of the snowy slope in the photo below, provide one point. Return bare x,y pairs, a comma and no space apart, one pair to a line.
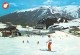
62,44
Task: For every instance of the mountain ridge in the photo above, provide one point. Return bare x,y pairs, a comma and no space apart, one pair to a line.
32,16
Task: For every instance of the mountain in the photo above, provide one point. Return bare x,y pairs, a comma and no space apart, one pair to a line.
34,15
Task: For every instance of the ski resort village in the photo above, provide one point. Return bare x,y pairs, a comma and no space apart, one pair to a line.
43,30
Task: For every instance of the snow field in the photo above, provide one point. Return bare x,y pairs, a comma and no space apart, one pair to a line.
62,44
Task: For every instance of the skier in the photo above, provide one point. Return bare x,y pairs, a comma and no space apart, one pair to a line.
23,41
49,43
27,41
38,42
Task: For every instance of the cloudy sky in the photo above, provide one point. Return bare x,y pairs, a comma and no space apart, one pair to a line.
15,5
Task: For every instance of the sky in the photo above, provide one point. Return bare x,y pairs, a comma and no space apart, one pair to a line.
15,5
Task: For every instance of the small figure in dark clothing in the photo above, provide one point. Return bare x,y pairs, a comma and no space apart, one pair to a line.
38,42
23,41
27,41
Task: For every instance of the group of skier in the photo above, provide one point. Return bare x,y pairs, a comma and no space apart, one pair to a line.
49,42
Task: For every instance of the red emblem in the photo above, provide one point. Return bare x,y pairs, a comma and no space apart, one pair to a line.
5,5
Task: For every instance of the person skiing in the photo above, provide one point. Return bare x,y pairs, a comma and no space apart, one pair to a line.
23,41
38,42
27,41
49,43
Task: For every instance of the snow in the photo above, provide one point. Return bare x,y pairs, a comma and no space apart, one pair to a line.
44,31
45,6
32,9
62,44
51,10
74,22
44,11
56,10
25,29
70,10
2,25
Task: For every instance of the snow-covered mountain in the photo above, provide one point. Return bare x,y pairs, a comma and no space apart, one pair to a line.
74,11
32,16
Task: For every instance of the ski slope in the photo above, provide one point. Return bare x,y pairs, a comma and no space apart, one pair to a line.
62,43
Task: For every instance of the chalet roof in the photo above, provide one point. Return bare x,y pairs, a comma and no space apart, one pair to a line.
10,28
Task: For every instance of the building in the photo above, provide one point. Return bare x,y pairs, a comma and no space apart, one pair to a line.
10,31
40,26
75,31
6,33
